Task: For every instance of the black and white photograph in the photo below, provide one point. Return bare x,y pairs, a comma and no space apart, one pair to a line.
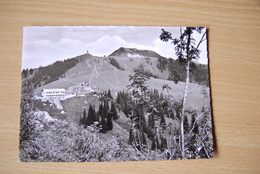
115,93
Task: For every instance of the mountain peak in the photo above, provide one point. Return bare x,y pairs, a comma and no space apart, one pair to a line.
135,53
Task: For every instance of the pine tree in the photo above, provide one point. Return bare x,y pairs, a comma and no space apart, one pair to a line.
84,118
101,110
109,121
104,126
109,94
106,109
31,71
125,106
97,117
150,127
119,101
153,146
131,136
118,98
91,116
113,110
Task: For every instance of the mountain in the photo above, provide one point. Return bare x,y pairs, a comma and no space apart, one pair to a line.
86,77
134,53
111,72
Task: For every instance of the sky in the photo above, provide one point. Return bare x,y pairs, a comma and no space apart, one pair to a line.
44,45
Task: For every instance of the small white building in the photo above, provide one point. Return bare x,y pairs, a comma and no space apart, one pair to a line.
59,93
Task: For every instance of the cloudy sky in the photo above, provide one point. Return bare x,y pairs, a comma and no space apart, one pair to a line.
45,45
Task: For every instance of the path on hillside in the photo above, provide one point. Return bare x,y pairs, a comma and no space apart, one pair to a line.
96,72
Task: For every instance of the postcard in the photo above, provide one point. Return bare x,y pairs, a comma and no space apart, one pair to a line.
115,93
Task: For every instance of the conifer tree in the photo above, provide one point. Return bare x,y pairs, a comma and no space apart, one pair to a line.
113,110
101,110
97,117
119,101
84,118
109,94
150,127
91,116
109,121
125,106
104,126
131,136
106,109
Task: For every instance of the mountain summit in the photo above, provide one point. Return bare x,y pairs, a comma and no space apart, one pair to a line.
133,52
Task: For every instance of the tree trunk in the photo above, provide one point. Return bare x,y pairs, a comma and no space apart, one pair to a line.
183,108
188,58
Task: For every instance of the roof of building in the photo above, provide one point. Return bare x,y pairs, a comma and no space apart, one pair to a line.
54,90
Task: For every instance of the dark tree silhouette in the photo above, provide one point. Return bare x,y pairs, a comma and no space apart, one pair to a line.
105,109
84,118
109,94
26,107
91,116
113,111
104,126
115,63
109,121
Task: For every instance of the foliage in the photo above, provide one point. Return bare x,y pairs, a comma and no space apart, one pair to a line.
26,118
50,73
91,116
187,50
162,63
109,121
114,111
61,141
139,87
140,94
115,63
83,120
155,123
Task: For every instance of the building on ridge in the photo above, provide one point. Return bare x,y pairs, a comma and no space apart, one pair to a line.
58,93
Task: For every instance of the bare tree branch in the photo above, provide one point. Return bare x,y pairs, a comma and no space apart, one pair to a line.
206,151
195,122
201,40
